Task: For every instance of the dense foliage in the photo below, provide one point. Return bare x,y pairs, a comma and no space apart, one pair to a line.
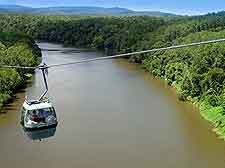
15,49
114,33
197,72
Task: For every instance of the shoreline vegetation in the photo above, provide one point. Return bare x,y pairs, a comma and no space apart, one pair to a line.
15,49
197,73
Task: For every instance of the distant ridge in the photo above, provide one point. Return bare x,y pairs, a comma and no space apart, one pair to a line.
80,11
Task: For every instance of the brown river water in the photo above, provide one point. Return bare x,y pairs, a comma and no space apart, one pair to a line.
112,114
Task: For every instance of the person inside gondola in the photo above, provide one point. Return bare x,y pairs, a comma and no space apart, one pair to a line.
43,114
34,116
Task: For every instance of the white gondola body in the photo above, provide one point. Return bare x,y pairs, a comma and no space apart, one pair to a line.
46,116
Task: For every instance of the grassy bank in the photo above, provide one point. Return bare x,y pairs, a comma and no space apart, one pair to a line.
15,49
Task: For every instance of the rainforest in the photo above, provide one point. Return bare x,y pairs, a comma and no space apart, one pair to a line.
197,73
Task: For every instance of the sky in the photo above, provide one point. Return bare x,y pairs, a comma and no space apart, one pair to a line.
184,7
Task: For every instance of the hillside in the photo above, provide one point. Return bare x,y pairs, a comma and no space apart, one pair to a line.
80,11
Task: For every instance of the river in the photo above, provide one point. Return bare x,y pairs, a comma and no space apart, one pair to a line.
112,114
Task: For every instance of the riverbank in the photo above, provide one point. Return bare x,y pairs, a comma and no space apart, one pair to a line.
214,114
20,50
198,75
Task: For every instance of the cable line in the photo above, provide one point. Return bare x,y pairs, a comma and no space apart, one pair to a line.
44,66
17,67
139,52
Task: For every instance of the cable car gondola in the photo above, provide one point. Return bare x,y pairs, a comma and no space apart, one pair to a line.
39,114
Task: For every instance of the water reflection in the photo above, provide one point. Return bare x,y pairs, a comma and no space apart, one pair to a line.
40,134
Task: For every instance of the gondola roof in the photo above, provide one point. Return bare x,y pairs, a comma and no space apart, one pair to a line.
37,105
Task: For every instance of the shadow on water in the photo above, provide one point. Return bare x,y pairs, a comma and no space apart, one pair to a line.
9,107
20,93
40,134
